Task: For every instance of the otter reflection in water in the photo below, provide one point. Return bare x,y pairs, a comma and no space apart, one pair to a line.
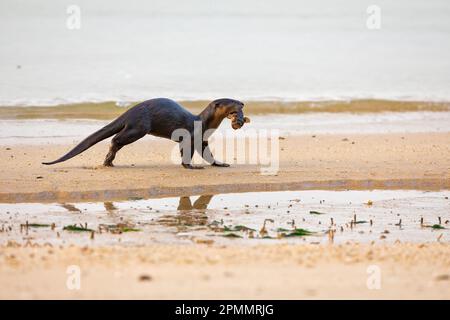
189,215
201,203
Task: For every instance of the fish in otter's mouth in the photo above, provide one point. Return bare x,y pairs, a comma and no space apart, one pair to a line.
238,120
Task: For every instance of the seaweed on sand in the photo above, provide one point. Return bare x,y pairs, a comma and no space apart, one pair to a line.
119,228
316,212
126,229
77,228
238,231
38,225
238,228
297,232
230,231
232,235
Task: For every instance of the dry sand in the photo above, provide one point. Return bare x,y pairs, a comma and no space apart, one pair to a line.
144,169
209,272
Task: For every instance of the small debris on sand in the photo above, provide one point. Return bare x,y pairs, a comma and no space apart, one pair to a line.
145,277
442,277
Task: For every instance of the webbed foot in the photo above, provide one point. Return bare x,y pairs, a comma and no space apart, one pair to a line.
190,166
220,164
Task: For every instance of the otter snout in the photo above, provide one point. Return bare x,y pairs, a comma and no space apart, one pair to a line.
236,115
237,122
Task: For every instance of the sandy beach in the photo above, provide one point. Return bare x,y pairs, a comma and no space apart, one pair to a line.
144,169
223,270
266,272
334,118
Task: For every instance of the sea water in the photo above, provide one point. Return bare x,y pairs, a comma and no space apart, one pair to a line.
205,49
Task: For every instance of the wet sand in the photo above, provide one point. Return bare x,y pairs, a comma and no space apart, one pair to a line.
406,271
110,110
144,169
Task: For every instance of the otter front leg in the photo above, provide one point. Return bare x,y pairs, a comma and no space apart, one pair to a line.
208,156
187,152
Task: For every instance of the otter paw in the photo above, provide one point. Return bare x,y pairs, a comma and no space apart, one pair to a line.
220,164
190,166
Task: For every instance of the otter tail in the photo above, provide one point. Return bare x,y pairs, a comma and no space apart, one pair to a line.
105,132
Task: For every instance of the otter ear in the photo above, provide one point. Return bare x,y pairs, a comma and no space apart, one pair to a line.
246,120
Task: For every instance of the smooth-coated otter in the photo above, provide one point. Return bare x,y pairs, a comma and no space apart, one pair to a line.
161,117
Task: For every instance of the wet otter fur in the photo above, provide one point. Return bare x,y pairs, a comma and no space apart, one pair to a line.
161,117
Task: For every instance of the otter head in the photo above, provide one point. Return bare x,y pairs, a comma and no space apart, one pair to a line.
232,109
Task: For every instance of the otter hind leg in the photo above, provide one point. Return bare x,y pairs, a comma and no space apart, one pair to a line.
124,137
111,155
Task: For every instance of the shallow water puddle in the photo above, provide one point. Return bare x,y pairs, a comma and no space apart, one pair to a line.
244,218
